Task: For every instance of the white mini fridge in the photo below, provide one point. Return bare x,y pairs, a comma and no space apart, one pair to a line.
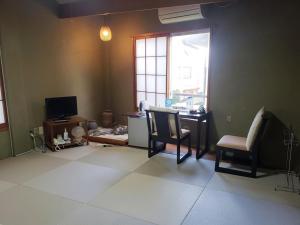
137,131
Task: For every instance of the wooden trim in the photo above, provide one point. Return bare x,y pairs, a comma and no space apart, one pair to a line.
209,69
155,71
134,74
168,67
145,68
151,35
3,126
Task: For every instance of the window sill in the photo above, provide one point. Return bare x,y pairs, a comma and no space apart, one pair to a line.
3,128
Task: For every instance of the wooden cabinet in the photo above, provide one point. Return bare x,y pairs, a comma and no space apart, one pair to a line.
53,128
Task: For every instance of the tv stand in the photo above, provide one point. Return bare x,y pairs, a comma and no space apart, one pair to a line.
52,128
61,120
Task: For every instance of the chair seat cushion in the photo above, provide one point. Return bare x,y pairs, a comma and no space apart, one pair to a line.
233,142
183,133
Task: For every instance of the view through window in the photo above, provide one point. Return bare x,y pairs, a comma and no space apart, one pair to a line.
180,74
189,57
2,117
3,123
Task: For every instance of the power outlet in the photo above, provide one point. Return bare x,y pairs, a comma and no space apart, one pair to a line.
41,130
38,130
228,118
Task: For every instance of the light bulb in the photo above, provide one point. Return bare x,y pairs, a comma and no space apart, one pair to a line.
105,33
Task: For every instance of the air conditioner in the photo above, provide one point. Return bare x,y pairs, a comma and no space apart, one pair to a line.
178,14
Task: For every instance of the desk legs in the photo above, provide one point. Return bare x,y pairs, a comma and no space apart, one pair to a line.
200,153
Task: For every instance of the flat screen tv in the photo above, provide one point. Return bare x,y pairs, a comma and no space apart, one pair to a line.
61,108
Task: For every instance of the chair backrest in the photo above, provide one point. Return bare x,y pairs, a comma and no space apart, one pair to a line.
254,129
261,132
163,123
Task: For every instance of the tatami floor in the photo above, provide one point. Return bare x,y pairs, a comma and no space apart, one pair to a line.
92,185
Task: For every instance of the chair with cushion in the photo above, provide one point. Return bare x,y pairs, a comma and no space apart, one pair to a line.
243,146
164,127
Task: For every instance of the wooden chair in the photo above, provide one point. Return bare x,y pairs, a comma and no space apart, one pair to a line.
244,147
164,126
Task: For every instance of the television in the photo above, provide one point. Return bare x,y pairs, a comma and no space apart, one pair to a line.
61,108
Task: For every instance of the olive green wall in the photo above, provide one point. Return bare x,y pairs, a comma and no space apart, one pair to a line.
5,150
254,63
45,56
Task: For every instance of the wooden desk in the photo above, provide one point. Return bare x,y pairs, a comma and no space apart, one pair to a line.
199,118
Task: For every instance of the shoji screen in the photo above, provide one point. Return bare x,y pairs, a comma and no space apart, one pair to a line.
151,69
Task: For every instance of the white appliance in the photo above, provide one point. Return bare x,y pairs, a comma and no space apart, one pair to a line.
178,14
138,131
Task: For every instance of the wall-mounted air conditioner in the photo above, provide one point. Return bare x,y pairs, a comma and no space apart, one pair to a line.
178,14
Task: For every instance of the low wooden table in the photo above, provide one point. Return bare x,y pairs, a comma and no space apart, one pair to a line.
52,128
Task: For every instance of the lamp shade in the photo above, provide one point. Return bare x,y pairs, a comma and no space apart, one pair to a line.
105,33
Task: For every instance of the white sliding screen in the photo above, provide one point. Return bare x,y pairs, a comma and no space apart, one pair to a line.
151,69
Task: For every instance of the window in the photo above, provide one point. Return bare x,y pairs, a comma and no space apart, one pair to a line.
189,57
3,118
173,66
151,70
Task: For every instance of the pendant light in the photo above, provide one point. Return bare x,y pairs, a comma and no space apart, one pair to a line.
105,32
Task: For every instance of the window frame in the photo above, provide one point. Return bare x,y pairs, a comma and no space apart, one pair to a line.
169,35
3,126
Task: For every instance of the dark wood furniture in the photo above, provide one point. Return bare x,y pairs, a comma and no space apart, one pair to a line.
52,128
251,154
160,130
199,118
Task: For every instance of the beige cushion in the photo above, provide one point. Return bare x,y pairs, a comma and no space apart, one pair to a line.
234,142
183,133
172,125
153,122
256,124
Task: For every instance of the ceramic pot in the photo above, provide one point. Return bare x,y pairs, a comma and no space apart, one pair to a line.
92,125
107,119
